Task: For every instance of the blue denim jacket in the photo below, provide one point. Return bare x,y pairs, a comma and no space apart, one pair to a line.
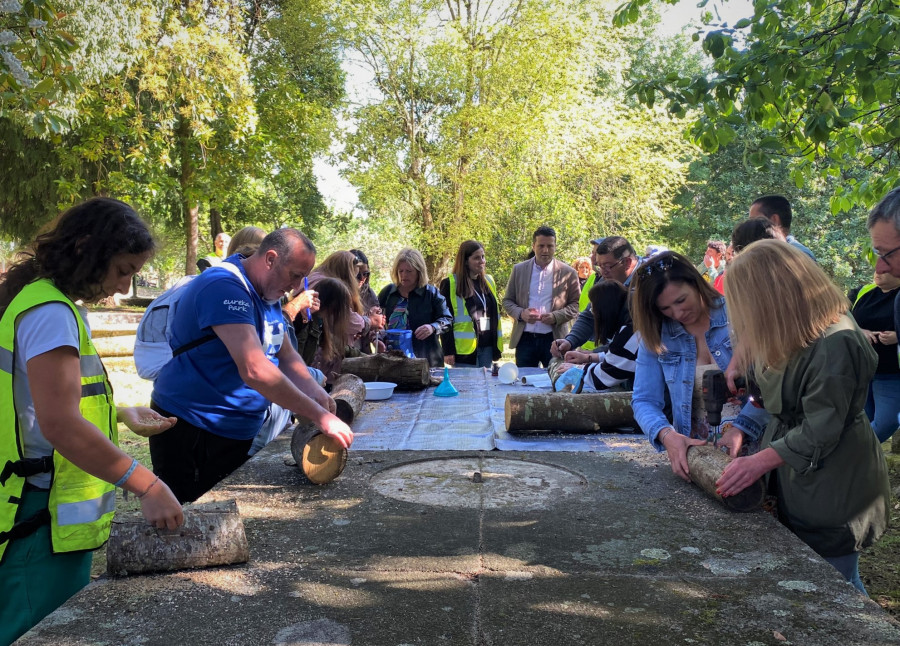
674,370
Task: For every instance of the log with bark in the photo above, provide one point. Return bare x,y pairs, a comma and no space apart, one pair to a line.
706,464
349,393
408,374
212,534
564,412
320,457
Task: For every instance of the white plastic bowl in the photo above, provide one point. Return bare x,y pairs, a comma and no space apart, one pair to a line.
377,390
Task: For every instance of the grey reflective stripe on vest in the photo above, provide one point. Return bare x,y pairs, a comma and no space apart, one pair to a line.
91,366
90,390
6,360
86,511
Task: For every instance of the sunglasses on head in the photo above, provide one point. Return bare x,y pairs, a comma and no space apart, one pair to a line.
657,266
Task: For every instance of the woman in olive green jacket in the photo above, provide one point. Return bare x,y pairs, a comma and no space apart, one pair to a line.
813,367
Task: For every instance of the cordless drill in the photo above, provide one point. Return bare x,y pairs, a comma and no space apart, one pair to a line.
715,394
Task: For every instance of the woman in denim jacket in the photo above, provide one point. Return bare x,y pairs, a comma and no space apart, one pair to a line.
683,323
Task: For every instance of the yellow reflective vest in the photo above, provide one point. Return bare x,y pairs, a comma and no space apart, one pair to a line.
583,302
463,327
81,507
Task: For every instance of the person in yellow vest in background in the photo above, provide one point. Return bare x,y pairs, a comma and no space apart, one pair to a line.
584,269
220,244
59,459
475,339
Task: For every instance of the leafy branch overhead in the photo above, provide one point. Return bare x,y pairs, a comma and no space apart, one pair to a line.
821,76
35,63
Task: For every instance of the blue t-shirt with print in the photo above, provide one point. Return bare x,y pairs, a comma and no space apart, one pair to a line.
203,386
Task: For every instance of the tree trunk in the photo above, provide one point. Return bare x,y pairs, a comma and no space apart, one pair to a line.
215,222
320,458
212,534
189,204
563,412
408,374
349,393
706,464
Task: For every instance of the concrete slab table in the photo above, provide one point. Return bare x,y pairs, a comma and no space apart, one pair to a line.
484,548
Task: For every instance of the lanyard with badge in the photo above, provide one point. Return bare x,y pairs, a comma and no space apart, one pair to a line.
484,323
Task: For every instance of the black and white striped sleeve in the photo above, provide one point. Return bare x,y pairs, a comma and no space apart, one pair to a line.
618,363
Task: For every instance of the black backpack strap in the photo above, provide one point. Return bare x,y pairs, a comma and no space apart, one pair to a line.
26,527
193,344
26,467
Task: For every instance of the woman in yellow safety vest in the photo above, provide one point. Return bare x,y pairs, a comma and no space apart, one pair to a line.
475,338
59,459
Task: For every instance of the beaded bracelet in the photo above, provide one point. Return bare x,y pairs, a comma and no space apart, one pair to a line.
121,481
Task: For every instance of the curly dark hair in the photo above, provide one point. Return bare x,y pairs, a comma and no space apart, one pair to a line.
75,250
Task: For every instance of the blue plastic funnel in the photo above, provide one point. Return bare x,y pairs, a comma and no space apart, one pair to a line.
445,388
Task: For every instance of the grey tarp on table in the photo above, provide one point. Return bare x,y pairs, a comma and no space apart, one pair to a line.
474,420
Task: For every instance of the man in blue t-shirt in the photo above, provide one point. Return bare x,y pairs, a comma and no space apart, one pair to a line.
229,361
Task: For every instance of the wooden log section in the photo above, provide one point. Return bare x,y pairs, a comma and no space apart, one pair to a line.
564,412
706,464
212,535
320,457
349,393
408,374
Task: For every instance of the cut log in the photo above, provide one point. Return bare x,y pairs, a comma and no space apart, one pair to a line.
320,457
408,374
212,534
564,412
349,393
706,464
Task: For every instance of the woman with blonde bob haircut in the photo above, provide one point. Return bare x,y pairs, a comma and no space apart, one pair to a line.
410,303
684,333
813,367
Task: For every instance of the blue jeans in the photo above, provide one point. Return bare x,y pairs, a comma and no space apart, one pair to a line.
533,349
484,356
883,405
848,566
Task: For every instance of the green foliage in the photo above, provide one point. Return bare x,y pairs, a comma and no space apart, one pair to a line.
821,76
184,106
35,64
722,185
491,122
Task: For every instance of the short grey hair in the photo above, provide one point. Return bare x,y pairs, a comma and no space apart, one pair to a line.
887,210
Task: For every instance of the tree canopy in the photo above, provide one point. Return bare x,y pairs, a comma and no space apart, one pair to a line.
820,76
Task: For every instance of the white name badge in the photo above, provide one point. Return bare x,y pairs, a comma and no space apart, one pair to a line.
484,324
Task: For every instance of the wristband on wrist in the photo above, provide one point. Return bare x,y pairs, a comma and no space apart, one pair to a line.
147,490
121,481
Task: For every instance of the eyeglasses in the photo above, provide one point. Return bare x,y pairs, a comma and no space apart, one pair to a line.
363,274
609,265
886,255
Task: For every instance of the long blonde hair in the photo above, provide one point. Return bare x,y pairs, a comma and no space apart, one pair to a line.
779,302
342,265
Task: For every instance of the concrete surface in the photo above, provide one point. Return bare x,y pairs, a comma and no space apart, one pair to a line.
539,549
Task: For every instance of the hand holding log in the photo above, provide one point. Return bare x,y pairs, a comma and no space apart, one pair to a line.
706,464
212,534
